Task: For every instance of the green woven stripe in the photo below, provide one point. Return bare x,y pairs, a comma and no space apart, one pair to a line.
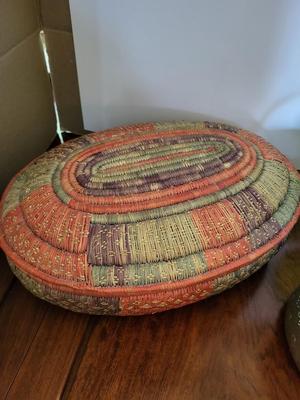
149,273
291,201
273,183
175,125
70,301
229,280
148,241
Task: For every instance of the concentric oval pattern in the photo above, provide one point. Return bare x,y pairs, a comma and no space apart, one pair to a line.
145,218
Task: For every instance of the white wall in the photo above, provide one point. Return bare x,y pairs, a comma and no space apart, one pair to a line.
231,60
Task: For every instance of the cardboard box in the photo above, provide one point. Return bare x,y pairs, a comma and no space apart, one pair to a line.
27,116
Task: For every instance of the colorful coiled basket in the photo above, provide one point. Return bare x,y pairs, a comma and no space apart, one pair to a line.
145,218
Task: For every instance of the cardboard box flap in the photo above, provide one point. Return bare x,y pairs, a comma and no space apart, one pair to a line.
64,78
18,19
56,23
55,14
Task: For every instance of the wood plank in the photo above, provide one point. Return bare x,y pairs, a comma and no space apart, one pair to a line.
20,317
45,368
230,346
6,276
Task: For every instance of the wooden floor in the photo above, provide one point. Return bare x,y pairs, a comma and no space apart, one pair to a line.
230,346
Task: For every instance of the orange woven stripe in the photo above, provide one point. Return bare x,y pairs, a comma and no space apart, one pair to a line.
139,305
230,253
22,244
218,224
54,222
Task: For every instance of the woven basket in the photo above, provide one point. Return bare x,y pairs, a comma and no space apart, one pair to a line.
146,218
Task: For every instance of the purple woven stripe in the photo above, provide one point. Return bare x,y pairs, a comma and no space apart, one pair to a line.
264,234
251,207
107,246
